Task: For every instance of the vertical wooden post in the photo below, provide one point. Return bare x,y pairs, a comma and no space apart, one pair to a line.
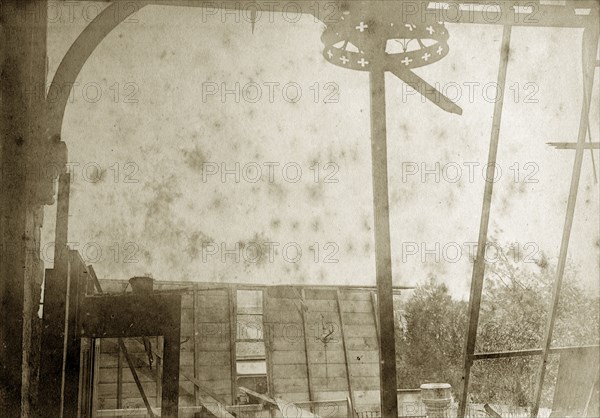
196,344
96,375
589,51
119,377
170,377
346,355
383,257
479,263
305,331
55,311
233,339
22,122
375,309
268,350
77,278
159,368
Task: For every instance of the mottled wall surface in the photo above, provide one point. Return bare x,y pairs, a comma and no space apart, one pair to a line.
145,140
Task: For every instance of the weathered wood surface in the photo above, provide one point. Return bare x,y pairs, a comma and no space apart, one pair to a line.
337,361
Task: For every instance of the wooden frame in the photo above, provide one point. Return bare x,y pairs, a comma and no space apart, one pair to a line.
127,315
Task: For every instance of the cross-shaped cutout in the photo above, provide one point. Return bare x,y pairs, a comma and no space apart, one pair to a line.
363,62
330,54
426,56
344,60
430,30
406,61
440,50
362,27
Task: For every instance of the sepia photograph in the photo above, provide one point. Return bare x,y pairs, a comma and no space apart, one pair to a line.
299,209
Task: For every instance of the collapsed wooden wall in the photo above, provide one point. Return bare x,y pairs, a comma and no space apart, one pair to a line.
321,344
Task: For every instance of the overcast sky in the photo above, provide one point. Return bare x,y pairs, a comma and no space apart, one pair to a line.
148,111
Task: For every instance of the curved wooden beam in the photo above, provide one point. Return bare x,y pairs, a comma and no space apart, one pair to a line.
77,56
116,13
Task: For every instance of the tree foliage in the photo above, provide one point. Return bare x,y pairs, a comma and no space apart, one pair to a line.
431,330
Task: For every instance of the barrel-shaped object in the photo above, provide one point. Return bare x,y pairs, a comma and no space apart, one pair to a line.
142,284
437,398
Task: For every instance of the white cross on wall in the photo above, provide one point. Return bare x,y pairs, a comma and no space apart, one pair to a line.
440,50
330,54
406,61
362,26
362,62
426,56
344,60
430,30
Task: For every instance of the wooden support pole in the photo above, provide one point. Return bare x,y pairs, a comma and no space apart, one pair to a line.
268,350
170,376
196,344
77,280
96,376
55,313
346,354
383,257
306,333
589,51
232,293
136,378
23,27
479,263
375,310
119,377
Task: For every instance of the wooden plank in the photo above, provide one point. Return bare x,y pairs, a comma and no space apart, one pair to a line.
129,390
383,257
312,294
311,390
283,304
321,305
479,262
589,53
365,370
269,352
290,371
95,377
361,331
291,385
360,318
337,370
366,383
264,398
357,306
111,375
375,316
361,343
345,347
363,356
138,383
119,379
196,343
329,357
573,145
232,340
576,375
355,295
330,383
287,357
54,329
295,343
